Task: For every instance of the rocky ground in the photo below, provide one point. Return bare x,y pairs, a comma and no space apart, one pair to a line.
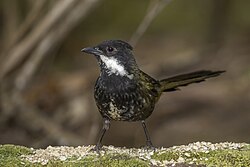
193,154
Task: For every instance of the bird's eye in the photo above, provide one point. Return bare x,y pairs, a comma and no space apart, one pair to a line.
110,49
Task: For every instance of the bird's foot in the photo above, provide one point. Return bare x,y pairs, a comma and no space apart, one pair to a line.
97,148
149,146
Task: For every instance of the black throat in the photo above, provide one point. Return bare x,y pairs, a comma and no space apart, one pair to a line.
115,83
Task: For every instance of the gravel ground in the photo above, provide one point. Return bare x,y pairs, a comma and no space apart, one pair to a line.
64,153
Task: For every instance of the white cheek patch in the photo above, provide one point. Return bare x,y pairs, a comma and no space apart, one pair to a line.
115,67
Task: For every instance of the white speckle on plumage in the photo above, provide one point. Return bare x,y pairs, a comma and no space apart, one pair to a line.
132,110
115,67
114,111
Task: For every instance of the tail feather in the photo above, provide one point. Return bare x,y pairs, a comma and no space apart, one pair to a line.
173,83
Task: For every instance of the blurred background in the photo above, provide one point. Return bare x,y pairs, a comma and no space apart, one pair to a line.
46,95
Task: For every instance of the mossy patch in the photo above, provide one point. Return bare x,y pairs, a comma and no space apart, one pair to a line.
219,157
10,155
232,158
166,156
97,161
194,154
119,161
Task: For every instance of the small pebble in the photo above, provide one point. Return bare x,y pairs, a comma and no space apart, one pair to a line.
43,156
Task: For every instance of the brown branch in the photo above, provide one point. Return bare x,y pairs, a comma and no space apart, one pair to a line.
153,11
31,19
21,50
51,40
48,37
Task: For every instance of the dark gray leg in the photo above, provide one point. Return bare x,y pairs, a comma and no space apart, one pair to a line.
105,127
148,140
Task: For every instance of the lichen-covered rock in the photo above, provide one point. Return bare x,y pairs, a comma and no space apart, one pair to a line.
195,154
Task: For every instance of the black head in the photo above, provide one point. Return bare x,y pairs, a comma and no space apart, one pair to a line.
114,57
110,48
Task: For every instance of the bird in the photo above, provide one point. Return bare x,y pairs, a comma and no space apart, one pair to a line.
123,92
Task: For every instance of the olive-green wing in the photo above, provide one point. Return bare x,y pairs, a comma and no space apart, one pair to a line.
150,83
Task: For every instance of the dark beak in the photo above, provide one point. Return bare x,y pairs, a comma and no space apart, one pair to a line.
91,50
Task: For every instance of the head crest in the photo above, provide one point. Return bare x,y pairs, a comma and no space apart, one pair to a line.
127,45
117,43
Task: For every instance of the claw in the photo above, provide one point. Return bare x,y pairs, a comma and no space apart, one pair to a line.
149,146
97,148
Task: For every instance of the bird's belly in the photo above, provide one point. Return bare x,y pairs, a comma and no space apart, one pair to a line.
125,106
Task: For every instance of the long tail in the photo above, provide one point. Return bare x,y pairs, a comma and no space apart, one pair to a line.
173,83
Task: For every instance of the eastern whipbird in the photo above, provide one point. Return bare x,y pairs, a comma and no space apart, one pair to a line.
123,92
